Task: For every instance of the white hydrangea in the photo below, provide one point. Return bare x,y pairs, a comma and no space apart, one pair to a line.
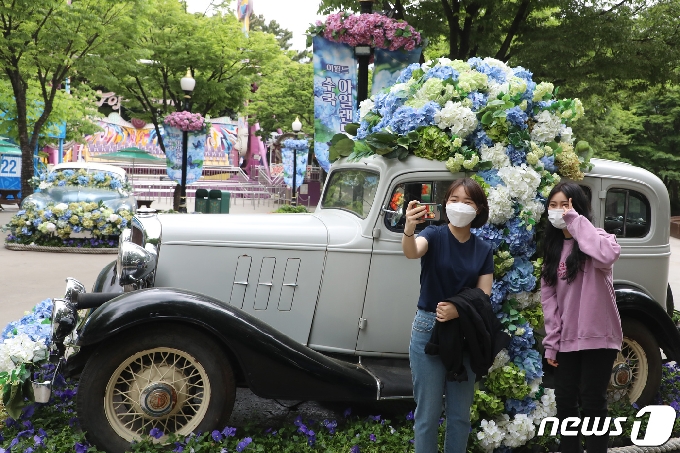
45,185
535,386
461,120
398,87
545,407
502,359
521,181
495,154
50,227
60,207
517,86
519,431
541,90
497,88
501,206
566,135
490,435
113,218
547,127
532,210
365,107
499,64
18,349
527,300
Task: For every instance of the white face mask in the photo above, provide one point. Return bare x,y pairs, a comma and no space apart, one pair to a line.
555,217
460,214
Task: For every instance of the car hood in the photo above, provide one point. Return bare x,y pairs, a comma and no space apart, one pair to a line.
262,230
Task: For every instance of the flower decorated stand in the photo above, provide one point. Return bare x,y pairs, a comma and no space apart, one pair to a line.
295,154
196,127
485,117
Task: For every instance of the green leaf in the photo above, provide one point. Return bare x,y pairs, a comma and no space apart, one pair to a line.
487,118
512,327
336,138
344,147
351,129
485,165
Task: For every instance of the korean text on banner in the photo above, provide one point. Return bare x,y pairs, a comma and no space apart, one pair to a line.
172,138
335,95
389,64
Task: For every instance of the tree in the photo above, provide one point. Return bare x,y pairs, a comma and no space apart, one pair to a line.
46,41
284,94
221,59
283,35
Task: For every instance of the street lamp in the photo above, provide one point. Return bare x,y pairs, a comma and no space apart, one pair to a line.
297,127
363,54
188,84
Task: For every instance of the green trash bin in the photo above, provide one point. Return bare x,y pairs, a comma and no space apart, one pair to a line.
201,203
218,202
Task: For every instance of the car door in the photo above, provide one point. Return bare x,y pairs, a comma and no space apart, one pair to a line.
394,281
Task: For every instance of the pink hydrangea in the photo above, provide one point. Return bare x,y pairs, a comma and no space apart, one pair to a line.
186,121
375,30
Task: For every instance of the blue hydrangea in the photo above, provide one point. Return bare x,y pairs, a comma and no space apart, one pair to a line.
407,73
491,177
516,156
494,73
478,99
499,289
521,343
549,163
51,177
525,406
522,73
442,72
37,222
61,183
529,360
77,229
115,184
21,212
362,132
517,117
83,180
544,105
25,231
479,138
123,223
489,234
99,176
407,119
519,238
520,278
69,173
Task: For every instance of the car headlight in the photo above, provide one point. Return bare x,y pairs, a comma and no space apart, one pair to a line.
135,263
64,320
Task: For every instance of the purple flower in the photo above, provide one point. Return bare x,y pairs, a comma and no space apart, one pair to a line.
330,426
28,413
375,418
229,432
37,441
80,448
13,443
372,437
347,413
441,421
28,450
10,422
243,444
216,435
156,433
355,449
179,448
311,438
410,416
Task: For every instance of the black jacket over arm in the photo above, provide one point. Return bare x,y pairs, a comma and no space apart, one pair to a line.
476,329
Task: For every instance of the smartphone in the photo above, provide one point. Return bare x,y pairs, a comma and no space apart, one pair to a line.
414,191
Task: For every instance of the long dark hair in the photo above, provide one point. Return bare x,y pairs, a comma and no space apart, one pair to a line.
554,238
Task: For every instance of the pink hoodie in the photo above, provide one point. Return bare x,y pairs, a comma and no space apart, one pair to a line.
583,314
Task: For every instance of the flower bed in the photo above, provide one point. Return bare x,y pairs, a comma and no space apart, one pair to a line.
80,178
373,30
54,225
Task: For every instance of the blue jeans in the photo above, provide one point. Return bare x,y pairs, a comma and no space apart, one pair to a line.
430,386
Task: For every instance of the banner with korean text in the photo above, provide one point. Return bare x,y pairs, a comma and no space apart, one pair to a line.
335,93
389,64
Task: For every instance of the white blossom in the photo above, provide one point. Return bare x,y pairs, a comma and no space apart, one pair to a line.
18,349
60,207
497,88
501,206
490,436
365,107
545,407
461,120
50,227
44,185
527,300
496,154
112,218
519,431
521,181
547,127
502,359
566,135
535,386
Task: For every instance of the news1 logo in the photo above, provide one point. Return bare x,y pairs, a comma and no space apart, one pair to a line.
659,427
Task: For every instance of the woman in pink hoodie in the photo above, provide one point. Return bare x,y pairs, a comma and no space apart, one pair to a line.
582,323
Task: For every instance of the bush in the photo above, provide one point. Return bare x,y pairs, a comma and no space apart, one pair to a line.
289,209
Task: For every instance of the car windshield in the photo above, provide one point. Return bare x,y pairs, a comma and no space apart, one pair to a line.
351,190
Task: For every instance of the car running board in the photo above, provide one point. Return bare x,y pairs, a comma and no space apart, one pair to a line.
393,377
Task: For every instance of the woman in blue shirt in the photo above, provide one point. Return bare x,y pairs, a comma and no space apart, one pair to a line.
451,258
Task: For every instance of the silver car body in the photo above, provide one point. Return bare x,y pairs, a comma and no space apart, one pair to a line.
339,283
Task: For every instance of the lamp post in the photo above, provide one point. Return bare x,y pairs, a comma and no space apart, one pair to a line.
297,127
363,54
188,84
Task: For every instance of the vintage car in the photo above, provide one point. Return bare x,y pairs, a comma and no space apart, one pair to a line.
310,306
115,192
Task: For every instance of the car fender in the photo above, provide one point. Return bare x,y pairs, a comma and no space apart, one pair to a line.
39,199
273,364
634,303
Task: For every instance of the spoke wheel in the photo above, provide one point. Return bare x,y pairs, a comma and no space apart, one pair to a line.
170,377
160,388
636,374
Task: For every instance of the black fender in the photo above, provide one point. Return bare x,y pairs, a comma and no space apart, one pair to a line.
273,364
636,304
107,280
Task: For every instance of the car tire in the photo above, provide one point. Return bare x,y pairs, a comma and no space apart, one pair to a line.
640,356
670,306
169,376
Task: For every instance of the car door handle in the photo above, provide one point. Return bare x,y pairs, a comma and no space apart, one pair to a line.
241,283
265,284
294,285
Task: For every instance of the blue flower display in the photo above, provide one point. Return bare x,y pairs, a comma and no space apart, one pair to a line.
499,290
517,118
516,156
407,73
520,343
478,99
490,234
479,138
525,406
407,119
549,163
442,72
520,239
520,278
529,360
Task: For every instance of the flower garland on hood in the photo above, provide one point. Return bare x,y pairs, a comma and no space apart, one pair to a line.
373,30
483,116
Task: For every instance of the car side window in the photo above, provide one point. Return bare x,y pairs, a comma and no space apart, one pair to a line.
627,213
432,192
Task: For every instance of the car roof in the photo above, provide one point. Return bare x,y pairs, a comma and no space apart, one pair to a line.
90,166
